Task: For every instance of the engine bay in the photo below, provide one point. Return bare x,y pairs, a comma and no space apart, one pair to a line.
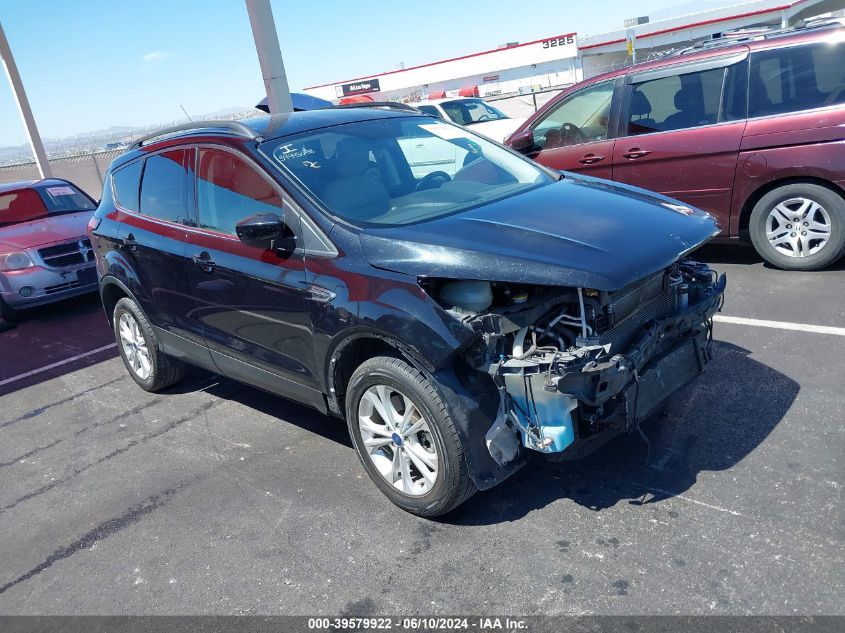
575,366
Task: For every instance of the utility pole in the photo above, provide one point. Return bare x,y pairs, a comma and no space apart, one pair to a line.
269,55
23,106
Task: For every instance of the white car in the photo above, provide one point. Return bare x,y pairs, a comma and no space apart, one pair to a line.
476,114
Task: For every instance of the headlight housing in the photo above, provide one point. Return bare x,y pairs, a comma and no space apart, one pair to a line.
17,260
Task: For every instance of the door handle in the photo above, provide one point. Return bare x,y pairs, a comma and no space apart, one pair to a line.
590,159
204,262
130,242
636,152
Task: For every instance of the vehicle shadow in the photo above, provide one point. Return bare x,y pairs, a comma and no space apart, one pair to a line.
286,411
708,426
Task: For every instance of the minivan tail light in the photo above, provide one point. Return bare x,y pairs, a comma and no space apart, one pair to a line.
93,223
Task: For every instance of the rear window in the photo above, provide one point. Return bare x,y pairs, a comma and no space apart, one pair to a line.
126,181
796,78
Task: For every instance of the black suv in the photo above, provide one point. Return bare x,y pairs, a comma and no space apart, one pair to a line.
460,313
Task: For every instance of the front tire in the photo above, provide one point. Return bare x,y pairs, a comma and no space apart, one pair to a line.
8,313
799,227
405,438
140,350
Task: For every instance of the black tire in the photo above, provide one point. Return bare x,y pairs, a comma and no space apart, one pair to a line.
8,313
165,371
833,204
453,484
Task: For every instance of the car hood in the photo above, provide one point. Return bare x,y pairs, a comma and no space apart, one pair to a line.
45,231
579,232
496,130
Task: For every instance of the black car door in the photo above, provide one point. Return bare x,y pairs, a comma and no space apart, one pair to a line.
252,304
152,239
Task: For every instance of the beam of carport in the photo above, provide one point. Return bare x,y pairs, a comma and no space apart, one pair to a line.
269,55
23,106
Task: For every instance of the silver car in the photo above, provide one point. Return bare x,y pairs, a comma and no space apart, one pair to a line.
45,253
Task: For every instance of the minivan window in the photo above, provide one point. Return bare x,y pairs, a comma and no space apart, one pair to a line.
581,117
229,190
676,102
796,78
126,181
163,186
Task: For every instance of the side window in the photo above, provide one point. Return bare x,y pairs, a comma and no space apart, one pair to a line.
126,181
796,78
735,95
676,102
581,117
430,110
229,190
163,186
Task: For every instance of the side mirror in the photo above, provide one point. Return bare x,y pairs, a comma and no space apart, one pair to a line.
522,141
267,231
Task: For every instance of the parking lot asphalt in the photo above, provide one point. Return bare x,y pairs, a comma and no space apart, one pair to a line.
217,498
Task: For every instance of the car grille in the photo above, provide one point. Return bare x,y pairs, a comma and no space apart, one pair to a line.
49,290
72,253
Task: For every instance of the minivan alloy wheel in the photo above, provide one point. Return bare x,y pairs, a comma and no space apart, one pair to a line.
134,346
798,227
398,439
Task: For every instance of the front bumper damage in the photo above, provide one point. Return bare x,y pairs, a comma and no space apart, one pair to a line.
566,403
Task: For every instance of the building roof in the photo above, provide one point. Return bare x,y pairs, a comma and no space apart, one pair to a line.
703,23
442,61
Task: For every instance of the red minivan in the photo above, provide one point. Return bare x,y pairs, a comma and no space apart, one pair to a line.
751,130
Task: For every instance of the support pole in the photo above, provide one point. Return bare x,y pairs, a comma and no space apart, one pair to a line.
23,106
269,55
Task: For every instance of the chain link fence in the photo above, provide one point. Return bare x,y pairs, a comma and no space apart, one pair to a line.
86,171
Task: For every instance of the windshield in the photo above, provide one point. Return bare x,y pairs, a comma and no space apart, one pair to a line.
397,171
25,205
469,111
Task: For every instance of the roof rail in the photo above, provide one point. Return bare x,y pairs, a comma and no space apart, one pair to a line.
729,40
235,127
381,105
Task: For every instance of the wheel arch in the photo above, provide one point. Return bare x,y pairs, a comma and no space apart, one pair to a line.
757,195
113,290
353,351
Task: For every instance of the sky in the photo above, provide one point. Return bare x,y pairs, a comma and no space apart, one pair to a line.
91,64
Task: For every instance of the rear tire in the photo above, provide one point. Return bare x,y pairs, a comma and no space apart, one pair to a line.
422,469
140,350
799,227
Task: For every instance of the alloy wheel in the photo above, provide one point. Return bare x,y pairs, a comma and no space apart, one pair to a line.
134,346
798,227
398,440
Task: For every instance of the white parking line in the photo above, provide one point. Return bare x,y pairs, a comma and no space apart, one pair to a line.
781,325
57,364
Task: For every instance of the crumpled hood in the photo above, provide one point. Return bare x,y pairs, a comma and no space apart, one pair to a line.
44,231
579,232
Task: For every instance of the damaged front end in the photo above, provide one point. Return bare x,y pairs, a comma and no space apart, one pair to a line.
575,367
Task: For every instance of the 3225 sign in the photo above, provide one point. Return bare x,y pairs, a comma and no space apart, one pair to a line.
563,40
